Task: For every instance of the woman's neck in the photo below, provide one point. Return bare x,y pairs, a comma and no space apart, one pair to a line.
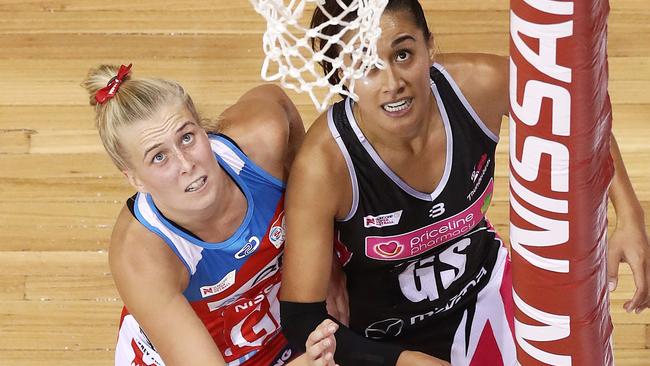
219,220
411,139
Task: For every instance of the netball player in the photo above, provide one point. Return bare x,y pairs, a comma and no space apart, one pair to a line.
195,254
400,181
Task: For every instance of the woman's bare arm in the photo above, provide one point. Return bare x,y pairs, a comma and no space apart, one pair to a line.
151,280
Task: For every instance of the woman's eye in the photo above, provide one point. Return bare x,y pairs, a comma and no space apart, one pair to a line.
402,55
187,138
158,158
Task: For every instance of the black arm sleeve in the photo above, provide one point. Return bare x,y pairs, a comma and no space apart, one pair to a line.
300,319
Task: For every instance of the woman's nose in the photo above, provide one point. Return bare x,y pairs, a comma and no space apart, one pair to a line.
186,161
393,81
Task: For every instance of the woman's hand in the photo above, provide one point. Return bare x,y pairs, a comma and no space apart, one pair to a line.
629,244
321,344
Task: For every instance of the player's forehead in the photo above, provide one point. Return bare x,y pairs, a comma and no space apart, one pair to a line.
164,124
395,25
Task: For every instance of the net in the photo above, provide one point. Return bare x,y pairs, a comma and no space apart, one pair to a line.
289,55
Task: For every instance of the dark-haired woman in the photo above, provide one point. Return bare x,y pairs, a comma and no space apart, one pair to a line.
400,181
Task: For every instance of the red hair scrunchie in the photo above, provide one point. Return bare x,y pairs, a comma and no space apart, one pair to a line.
113,85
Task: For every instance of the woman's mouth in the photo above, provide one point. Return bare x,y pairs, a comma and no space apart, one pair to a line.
398,106
197,184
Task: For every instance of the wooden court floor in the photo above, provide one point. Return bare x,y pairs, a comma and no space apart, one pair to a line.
59,193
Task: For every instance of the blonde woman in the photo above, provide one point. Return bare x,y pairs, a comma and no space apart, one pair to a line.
195,253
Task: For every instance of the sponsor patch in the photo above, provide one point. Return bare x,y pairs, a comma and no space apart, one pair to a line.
418,241
270,271
219,287
390,249
478,168
385,328
382,220
477,175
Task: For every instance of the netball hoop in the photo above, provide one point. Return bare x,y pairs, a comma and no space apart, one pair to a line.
291,60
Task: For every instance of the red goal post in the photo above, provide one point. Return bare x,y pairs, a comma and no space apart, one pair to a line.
560,170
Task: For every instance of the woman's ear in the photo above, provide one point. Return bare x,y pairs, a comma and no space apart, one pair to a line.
431,45
134,181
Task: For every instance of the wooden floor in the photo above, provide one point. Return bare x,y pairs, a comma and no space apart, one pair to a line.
59,193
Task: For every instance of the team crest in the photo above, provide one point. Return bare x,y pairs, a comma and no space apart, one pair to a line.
277,232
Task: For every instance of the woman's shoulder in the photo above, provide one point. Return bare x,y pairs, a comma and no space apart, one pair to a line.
471,60
135,253
127,233
475,70
483,80
319,160
259,113
261,123
318,173
319,148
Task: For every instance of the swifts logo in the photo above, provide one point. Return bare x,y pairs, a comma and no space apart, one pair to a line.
248,248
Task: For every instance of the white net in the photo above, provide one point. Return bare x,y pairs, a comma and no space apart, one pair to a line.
289,55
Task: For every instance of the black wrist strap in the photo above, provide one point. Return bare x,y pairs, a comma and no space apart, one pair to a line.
352,349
